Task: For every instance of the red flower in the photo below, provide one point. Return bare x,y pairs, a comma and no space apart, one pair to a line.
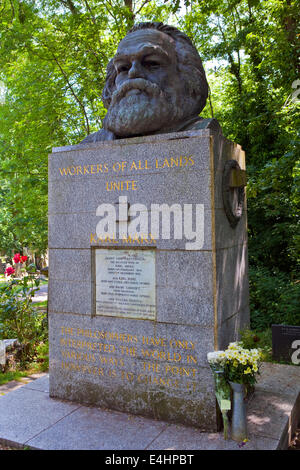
9,271
16,258
23,259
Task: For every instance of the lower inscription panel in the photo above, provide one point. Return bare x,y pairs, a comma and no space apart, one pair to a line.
125,283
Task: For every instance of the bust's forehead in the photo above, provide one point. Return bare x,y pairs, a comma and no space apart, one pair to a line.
146,37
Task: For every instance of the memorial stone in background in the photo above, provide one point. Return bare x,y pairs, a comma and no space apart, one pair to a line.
286,343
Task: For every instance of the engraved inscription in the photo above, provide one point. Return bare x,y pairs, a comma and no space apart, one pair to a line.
125,283
145,360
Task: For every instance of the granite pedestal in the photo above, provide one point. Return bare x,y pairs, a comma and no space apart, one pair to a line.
133,315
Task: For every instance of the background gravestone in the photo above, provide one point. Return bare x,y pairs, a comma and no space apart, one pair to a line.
286,343
146,356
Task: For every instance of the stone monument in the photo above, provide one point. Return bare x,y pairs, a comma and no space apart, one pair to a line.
147,241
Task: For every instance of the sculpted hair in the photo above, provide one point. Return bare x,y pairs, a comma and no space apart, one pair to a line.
189,65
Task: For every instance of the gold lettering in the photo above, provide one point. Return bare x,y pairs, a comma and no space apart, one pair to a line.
162,355
127,375
152,239
154,341
190,385
175,370
64,171
128,351
150,367
149,379
121,185
174,343
191,359
116,166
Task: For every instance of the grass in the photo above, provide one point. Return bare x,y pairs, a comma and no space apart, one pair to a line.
41,305
10,375
13,375
40,364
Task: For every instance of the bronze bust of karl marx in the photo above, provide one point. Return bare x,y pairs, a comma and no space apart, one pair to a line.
154,84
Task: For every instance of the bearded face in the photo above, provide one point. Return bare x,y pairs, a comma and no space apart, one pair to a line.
141,107
148,93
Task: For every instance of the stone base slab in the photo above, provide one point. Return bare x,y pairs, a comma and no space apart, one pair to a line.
29,418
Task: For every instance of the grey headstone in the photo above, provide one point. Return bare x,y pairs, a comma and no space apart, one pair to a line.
153,367
2,353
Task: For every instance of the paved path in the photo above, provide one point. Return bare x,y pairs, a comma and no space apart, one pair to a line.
15,384
29,417
42,294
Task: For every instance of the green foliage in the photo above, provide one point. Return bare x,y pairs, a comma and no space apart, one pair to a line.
42,356
252,339
11,375
18,316
275,299
237,375
53,56
257,48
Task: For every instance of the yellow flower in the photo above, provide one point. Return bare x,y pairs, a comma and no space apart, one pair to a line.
248,370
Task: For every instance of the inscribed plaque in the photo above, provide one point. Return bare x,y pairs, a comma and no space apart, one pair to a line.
125,283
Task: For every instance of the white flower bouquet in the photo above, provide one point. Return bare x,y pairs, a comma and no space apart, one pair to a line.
235,364
241,365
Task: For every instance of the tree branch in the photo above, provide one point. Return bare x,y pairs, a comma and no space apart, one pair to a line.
87,126
145,2
69,4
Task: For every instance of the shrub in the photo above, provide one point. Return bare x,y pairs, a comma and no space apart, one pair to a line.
18,316
252,339
42,358
274,298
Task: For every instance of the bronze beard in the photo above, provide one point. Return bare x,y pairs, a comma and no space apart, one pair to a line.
142,107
